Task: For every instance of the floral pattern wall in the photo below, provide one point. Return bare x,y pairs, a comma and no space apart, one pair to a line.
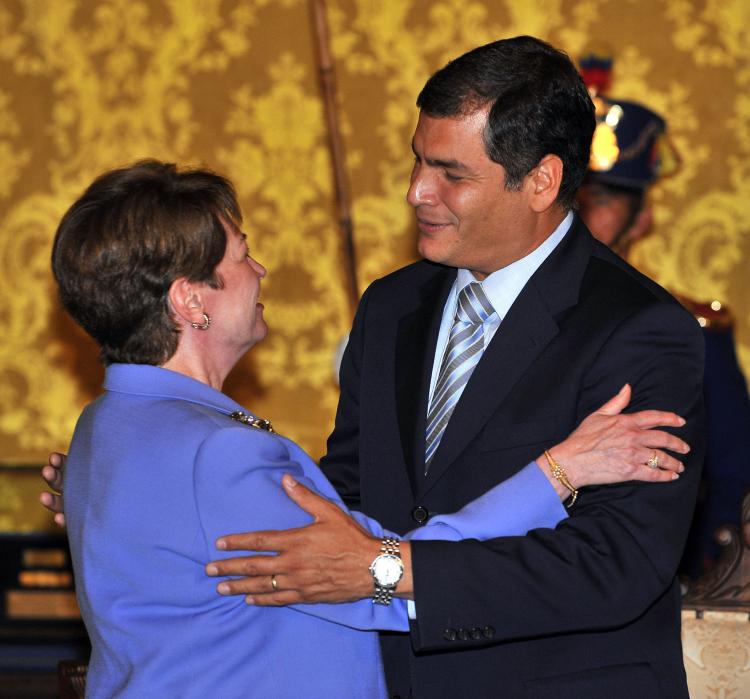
87,85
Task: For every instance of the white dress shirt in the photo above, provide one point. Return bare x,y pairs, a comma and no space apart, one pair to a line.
502,289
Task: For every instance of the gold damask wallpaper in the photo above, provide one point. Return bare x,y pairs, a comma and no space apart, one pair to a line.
86,85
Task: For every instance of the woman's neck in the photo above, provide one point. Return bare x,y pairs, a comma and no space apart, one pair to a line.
205,370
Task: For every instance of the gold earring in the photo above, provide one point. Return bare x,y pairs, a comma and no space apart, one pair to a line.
204,325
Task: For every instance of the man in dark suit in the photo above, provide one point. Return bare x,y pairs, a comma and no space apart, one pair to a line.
590,609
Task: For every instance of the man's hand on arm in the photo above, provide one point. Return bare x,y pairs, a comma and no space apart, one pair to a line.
327,561
52,473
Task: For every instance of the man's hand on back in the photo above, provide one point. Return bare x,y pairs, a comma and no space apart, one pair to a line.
53,475
327,561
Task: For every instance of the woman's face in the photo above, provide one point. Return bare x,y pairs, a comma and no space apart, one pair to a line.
236,313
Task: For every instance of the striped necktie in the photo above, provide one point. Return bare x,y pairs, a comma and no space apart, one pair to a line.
462,354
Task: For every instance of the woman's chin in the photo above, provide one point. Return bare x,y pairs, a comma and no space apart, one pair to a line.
260,331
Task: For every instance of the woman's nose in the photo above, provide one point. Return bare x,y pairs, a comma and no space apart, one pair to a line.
260,270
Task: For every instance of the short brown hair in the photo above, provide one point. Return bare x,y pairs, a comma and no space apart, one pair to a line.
119,247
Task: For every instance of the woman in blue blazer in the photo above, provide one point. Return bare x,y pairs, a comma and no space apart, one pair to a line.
152,263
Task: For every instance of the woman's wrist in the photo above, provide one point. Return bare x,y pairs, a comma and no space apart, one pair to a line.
544,466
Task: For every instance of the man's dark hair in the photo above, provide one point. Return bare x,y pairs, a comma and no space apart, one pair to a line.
538,106
128,237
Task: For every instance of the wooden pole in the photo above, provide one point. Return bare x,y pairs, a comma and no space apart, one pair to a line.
343,199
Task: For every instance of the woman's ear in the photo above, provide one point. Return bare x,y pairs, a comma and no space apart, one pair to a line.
544,182
186,300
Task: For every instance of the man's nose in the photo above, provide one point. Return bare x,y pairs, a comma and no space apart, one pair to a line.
421,189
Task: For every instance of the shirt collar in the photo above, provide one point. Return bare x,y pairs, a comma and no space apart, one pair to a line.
503,286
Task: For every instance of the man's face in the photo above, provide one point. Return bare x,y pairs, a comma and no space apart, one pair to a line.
466,217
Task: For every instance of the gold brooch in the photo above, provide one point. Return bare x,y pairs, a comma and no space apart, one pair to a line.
257,422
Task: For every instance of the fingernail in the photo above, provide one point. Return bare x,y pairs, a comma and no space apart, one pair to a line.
222,588
212,569
681,469
289,482
249,600
682,421
675,476
221,544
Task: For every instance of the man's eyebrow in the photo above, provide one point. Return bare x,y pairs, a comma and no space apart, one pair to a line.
439,162
447,164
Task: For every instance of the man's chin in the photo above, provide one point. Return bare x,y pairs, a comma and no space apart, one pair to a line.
433,251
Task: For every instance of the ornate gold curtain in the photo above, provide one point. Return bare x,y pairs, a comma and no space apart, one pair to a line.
86,85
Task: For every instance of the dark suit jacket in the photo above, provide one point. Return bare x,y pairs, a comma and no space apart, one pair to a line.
591,609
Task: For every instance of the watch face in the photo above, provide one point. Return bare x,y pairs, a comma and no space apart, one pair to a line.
387,569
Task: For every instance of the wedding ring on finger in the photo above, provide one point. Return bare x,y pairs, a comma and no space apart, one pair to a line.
653,462
274,584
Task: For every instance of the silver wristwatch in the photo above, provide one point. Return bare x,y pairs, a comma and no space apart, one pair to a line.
387,569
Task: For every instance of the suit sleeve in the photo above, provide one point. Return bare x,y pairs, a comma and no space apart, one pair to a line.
341,461
618,551
238,487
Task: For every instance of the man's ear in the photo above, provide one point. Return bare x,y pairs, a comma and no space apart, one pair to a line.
544,181
186,300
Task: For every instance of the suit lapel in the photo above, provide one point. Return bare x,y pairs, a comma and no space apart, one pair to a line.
529,326
415,350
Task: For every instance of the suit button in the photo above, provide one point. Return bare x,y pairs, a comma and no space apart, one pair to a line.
449,634
420,514
463,634
488,632
476,633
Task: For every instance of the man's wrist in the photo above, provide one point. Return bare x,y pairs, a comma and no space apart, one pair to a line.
387,570
406,585
405,589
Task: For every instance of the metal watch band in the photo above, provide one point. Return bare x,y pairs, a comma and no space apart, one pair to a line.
383,594
390,545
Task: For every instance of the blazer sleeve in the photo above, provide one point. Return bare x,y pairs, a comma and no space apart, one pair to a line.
618,551
237,479
519,504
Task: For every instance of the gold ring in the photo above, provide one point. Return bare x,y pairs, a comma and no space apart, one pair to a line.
653,462
273,583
